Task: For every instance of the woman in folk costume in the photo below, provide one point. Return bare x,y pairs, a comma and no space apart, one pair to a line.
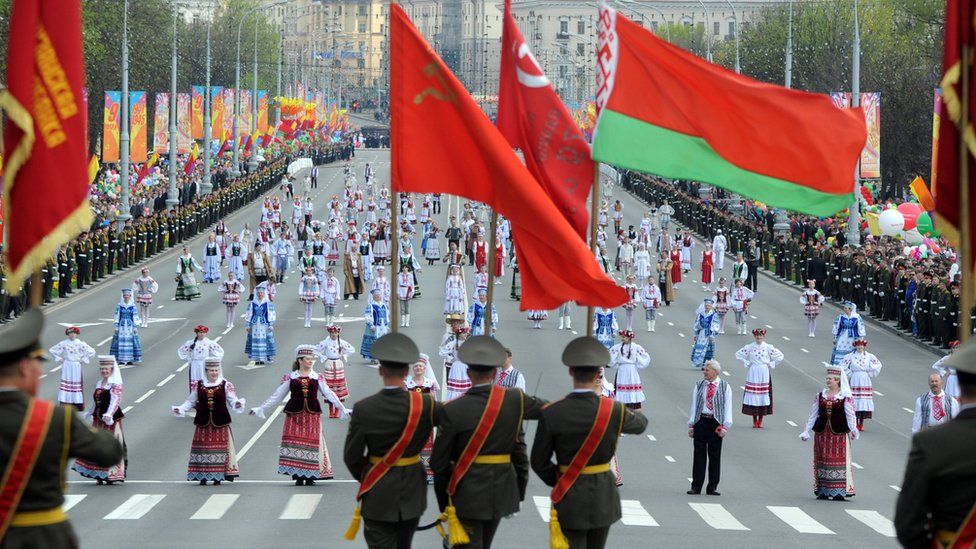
230,295
628,357
432,252
812,299
707,265
722,300
480,280
480,249
664,281
423,380
499,260
454,294
126,347
329,294
642,262
408,259
687,245
334,234
676,264
197,350
650,297
211,260
860,367
758,358
458,381
236,254
308,293
951,380
476,315
848,328
705,328
834,427
410,214
144,287
603,387
381,243
106,413
633,292
213,455
537,317
377,317
260,318
405,293
186,280
605,326
319,250
564,313
740,297
334,353
221,232
303,454
366,254
70,353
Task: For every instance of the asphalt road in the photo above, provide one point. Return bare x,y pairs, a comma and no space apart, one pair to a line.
766,487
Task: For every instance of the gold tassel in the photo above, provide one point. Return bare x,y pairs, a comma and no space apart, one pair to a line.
455,531
357,517
556,538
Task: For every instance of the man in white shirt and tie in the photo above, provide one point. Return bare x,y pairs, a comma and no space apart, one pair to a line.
709,422
934,407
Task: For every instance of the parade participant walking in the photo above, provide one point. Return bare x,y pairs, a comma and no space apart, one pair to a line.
581,431
126,347
476,315
186,280
381,283
833,423
352,284
687,246
642,262
664,282
951,382
236,253
211,260
633,293
740,271
508,375
848,328
934,407
384,448
144,287
480,463
454,292
70,353
719,245
458,381
260,317
759,358
740,297
423,380
334,353
377,318
811,299
259,267
303,454
106,413
650,297
213,455
708,424
721,297
308,293
329,293
197,350
565,320
405,293
230,291
705,328
407,259
282,251
629,357
605,326
707,266
536,317
861,366
676,264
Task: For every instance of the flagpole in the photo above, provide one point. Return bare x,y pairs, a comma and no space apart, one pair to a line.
492,243
965,239
594,207
394,259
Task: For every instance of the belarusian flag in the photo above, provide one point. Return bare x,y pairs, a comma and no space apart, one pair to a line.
668,112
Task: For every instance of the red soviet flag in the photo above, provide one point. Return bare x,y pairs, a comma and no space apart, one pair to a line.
533,118
441,142
45,135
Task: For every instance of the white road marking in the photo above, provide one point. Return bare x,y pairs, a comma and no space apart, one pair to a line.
717,516
135,507
543,506
574,332
681,334
634,514
669,458
909,410
346,306
104,341
856,465
252,365
183,367
670,323
70,500
741,387
790,423
43,376
283,482
752,317
786,338
215,507
874,520
652,438
218,338
798,520
257,435
301,506
767,325
226,331
726,373
895,488
879,393
126,409
804,350
55,369
145,396
160,307
163,382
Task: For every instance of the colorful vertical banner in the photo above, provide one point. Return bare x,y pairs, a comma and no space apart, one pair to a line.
871,155
138,127
228,121
217,112
196,112
263,112
321,109
300,91
110,127
936,120
161,124
245,115
183,139
842,100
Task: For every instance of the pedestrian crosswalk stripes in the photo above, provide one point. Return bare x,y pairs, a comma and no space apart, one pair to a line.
634,514
716,516
798,520
70,500
301,506
215,507
135,507
874,520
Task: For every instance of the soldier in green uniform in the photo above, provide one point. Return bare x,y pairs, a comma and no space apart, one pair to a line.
588,503
386,434
44,436
485,480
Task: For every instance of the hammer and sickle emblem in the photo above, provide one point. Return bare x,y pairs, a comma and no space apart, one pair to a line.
441,93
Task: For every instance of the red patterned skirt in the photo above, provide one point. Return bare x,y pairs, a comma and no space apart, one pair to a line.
303,452
832,464
115,473
334,372
212,454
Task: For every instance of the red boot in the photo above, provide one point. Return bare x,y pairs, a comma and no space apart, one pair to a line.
759,422
755,422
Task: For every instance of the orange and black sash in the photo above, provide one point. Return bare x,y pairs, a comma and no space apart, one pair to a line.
22,460
963,538
583,455
473,448
396,452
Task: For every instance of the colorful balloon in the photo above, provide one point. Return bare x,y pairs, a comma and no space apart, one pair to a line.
911,212
891,222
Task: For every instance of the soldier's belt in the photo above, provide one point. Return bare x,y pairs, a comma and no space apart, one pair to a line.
402,462
493,459
38,518
590,469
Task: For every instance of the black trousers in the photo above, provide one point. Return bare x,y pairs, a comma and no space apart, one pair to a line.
480,532
752,278
315,182
389,535
595,538
708,448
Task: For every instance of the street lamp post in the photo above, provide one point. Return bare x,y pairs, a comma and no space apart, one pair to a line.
252,164
172,196
206,186
708,32
854,223
735,21
281,47
667,26
124,136
789,49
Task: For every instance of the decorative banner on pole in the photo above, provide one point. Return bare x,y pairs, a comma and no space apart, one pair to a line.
244,122
183,139
263,112
110,127
217,112
161,124
228,114
871,155
196,112
138,127
936,120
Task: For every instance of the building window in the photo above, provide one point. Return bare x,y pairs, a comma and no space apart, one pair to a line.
564,27
654,26
731,29
563,71
362,27
580,48
715,28
581,27
362,9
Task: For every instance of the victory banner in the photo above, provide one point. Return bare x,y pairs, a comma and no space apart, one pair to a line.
263,112
871,155
161,124
196,112
228,120
217,112
110,127
183,139
936,120
138,127
245,115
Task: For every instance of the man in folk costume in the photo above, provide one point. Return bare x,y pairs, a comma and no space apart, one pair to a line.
39,433
329,288
629,357
308,293
260,318
476,315
106,413
334,353
480,462
144,287
213,455
687,245
811,299
126,346
582,431
719,245
758,357
231,290
740,271
834,426
625,254
848,328
259,266
282,250
705,328
405,289
70,353
861,366
650,297
666,211
708,424
508,375
707,266
951,381
386,435
352,267
934,407
458,381
197,350
740,297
